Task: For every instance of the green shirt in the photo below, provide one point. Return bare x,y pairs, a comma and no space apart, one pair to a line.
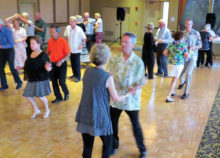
41,24
127,74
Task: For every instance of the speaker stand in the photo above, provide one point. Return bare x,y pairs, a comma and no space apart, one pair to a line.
119,36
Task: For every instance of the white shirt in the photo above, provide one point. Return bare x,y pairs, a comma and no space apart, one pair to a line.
164,34
75,38
100,22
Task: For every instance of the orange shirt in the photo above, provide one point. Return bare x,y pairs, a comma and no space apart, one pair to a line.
57,49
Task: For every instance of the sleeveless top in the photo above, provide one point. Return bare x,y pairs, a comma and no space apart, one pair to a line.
93,115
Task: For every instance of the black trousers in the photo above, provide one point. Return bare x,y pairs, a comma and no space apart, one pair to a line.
58,74
149,62
75,64
88,142
162,59
8,55
133,115
88,42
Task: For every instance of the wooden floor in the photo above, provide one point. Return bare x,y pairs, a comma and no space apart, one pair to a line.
171,130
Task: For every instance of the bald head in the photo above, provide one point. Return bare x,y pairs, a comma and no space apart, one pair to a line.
37,16
86,16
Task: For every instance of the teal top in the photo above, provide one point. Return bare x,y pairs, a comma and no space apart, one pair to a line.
41,24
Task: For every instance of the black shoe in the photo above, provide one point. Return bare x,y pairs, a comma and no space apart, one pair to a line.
143,154
159,74
185,96
19,85
76,80
71,77
66,97
113,151
165,75
181,85
56,100
3,88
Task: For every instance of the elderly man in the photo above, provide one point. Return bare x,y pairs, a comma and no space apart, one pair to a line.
193,40
40,26
128,72
88,22
76,38
58,50
163,36
7,53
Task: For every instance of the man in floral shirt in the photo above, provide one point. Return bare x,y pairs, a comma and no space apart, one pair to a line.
193,40
128,72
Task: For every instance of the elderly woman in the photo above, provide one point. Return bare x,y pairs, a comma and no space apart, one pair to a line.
37,68
79,22
98,28
93,115
148,51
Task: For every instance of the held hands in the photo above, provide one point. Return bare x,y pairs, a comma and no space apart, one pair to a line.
59,63
48,66
80,47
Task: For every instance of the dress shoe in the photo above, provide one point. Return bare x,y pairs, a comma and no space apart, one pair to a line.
113,151
143,154
56,100
3,88
66,97
71,77
185,96
76,80
181,85
19,85
168,100
159,74
165,75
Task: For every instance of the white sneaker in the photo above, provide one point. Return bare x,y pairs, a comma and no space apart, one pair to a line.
168,99
46,114
35,114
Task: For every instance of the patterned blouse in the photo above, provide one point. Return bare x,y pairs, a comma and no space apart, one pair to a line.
192,38
127,74
177,50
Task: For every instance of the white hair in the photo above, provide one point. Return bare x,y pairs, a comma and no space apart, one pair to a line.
73,18
25,14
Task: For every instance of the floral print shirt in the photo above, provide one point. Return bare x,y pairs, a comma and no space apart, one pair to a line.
192,38
127,74
177,50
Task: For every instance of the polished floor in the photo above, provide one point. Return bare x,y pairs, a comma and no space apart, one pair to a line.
171,130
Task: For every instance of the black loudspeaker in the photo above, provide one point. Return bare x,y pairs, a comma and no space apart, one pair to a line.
211,19
120,14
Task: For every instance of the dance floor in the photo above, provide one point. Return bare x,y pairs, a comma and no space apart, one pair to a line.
171,130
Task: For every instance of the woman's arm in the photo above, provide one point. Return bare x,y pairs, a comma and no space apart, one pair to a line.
165,52
112,91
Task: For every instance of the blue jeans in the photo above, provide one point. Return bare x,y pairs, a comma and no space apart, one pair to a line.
8,55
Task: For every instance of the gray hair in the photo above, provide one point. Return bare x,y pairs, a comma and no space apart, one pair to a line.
79,18
100,53
132,36
162,21
56,27
208,27
188,19
73,18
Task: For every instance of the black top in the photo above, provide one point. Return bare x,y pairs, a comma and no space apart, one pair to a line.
94,107
82,26
205,40
35,68
149,44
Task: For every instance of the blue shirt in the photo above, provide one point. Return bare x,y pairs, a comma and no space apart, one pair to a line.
6,38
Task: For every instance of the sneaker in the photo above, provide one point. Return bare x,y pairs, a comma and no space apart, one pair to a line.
168,99
173,94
